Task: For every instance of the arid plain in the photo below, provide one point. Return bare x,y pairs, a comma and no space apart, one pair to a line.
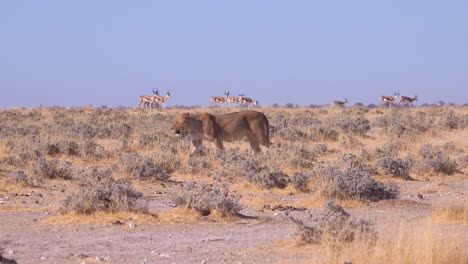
338,184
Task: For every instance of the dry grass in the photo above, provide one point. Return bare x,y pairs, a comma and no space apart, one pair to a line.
179,215
100,218
421,242
20,208
184,215
8,186
414,243
453,210
311,201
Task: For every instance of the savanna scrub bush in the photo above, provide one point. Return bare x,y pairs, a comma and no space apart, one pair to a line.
236,165
334,226
53,169
395,167
352,182
300,182
143,168
205,199
99,191
433,160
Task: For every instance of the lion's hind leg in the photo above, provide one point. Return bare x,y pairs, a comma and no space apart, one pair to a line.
265,141
254,143
262,133
219,144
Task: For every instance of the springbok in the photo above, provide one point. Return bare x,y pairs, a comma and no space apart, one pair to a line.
339,103
408,100
219,99
389,99
162,100
146,100
248,101
233,99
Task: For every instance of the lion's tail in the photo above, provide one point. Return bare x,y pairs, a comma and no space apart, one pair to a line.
266,139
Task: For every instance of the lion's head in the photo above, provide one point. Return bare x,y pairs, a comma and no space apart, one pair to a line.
185,122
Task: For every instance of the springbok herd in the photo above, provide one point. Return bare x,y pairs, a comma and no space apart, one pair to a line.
240,100
404,100
158,101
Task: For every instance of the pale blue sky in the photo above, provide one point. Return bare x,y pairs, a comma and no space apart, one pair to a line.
303,52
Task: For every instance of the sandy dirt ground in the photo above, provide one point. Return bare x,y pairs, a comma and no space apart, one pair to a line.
31,230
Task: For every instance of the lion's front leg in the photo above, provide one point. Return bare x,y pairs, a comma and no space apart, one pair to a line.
219,144
196,145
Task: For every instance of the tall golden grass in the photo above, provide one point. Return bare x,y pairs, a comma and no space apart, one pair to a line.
452,210
420,242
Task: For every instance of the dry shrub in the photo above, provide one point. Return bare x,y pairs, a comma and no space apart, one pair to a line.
449,120
349,123
169,161
297,155
300,182
450,148
197,164
65,147
301,126
290,125
404,123
291,154
334,226
143,168
22,178
147,140
388,150
319,149
434,160
82,130
167,152
51,148
53,169
111,123
325,132
69,147
395,167
15,161
206,199
99,191
236,165
349,142
291,133
267,178
462,161
353,182
464,121
93,150
349,160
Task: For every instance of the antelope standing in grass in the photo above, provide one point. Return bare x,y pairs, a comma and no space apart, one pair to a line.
247,100
339,103
219,99
233,99
146,100
390,99
157,99
408,100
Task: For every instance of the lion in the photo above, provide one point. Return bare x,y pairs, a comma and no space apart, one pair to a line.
227,127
